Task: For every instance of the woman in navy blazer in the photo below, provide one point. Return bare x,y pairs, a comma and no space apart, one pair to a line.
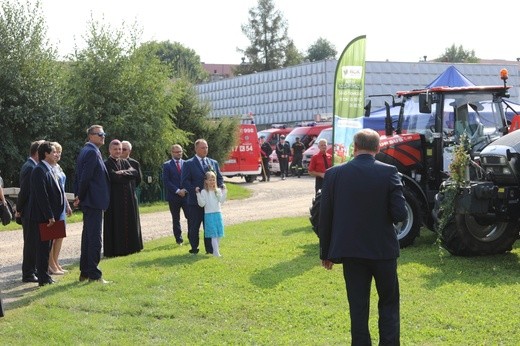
47,203
361,201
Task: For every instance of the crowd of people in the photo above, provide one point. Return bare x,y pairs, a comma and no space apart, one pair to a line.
361,200
105,192
284,153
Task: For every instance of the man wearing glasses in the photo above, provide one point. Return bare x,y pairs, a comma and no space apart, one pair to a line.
92,194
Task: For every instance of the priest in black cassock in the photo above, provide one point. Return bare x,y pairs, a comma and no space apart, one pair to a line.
121,231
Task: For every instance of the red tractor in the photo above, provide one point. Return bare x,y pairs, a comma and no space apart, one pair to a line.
420,142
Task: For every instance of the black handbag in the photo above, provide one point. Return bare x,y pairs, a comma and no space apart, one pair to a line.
7,212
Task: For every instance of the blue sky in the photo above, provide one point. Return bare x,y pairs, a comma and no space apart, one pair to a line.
403,30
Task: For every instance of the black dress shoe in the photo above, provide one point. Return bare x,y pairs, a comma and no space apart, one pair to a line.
82,278
32,278
47,282
194,251
179,241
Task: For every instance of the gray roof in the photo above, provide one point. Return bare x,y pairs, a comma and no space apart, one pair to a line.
302,92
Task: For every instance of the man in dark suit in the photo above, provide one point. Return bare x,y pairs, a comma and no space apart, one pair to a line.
360,202
175,193
23,210
47,201
92,194
193,173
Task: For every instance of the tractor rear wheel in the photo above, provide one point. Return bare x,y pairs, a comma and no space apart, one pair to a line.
467,235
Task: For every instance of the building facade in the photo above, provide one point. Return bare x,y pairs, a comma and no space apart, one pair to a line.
305,92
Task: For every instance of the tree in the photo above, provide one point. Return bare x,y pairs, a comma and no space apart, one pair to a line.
292,55
183,62
29,94
128,92
221,134
267,32
458,54
320,50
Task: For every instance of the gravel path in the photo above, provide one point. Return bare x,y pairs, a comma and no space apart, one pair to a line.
274,199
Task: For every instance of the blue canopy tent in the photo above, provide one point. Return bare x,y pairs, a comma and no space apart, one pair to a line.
451,77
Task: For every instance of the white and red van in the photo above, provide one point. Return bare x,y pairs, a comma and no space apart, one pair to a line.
244,160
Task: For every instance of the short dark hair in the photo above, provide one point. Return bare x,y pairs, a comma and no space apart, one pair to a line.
44,148
367,139
34,147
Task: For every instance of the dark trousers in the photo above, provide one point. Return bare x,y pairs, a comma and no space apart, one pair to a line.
297,162
266,173
318,184
195,219
175,209
358,274
30,247
91,243
44,248
284,166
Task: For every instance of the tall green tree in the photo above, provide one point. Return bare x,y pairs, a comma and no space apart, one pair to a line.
221,134
267,32
128,92
29,94
458,54
183,62
320,50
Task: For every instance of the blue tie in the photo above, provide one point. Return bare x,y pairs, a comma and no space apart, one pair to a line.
204,164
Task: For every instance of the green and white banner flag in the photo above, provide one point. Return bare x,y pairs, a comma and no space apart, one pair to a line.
349,97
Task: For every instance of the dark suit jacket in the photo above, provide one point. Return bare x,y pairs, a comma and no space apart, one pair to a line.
360,201
193,176
91,183
172,179
46,196
22,203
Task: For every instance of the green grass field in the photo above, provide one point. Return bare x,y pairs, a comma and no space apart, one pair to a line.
267,289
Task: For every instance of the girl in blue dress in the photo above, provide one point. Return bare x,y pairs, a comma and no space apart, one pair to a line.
211,198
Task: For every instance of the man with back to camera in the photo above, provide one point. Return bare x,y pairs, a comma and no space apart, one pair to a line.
192,176
23,211
176,195
92,194
319,164
361,200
